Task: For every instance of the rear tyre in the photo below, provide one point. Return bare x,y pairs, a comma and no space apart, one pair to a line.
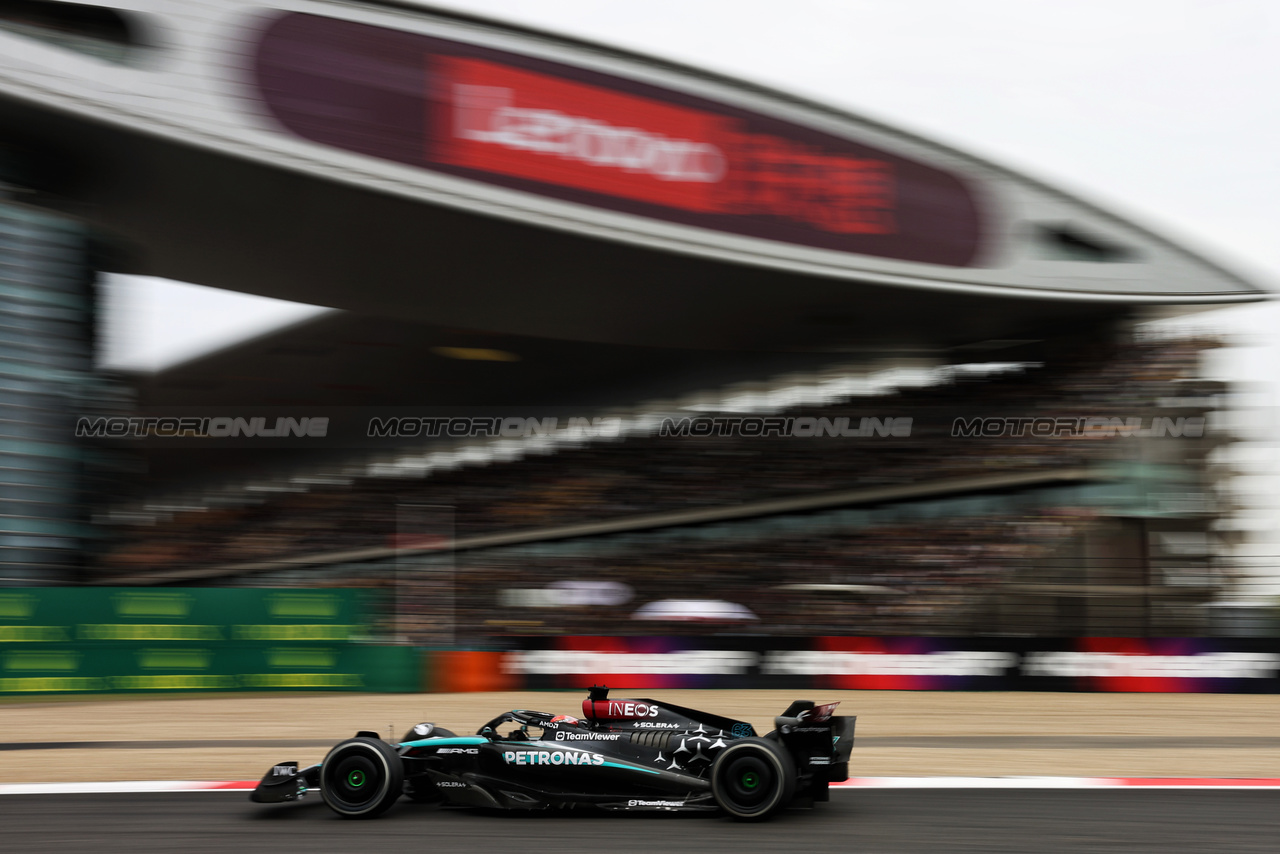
753,778
361,778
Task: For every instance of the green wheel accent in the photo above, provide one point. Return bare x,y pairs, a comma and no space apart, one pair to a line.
753,778
361,777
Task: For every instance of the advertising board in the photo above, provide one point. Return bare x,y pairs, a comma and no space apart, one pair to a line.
574,134
123,639
1180,665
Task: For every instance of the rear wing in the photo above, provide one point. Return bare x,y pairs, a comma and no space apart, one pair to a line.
820,740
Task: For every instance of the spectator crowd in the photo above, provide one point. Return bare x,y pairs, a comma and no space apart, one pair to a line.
880,578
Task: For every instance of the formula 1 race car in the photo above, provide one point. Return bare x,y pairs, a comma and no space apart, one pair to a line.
622,755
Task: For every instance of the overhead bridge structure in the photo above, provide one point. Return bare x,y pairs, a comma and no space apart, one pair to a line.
492,189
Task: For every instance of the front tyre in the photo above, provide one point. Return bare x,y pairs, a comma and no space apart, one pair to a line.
753,778
361,778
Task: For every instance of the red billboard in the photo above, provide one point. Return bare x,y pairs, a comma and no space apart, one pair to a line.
505,121
578,135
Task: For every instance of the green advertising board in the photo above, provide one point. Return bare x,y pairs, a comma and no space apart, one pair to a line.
100,639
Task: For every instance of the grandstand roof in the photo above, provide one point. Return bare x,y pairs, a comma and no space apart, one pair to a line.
308,157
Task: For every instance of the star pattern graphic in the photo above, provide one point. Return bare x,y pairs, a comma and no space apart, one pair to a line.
692,744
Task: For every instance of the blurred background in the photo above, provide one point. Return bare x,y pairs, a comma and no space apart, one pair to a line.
832,320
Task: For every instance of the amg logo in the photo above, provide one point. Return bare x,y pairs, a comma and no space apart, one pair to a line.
472,750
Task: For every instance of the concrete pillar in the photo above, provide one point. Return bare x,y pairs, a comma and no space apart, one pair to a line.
46,362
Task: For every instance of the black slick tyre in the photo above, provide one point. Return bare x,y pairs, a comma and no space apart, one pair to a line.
753,778
361,778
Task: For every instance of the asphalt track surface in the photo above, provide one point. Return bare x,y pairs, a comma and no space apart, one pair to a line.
985,742
865,821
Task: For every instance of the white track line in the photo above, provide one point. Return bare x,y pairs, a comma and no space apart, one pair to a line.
1059,783
126,787
1234,783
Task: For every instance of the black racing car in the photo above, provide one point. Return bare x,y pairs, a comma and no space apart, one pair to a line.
622,755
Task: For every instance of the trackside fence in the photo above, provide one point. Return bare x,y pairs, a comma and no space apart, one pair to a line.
127,639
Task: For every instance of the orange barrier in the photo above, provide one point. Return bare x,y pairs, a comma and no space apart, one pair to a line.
460,671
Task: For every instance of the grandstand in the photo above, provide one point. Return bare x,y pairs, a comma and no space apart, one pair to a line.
1025,535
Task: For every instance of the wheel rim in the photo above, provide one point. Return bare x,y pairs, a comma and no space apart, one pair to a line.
355,779
750,781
